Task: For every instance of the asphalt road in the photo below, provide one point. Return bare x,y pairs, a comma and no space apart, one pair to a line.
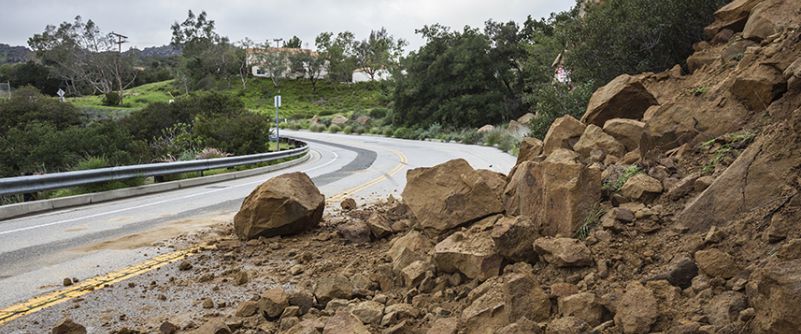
37,252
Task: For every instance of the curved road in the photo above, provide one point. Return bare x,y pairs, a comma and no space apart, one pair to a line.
37,252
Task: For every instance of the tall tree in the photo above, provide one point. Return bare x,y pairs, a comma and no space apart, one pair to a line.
337,51
207,56
378,52
83,56
293,43
308,65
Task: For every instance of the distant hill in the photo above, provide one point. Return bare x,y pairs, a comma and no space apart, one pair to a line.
164,51
14,54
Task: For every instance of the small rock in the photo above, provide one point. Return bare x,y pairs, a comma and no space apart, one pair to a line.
716,263
214,327
67,281
273,302
67,326
184,265
637,309
332,287
348,204
207,303
344,323
564,252
369,312
247,309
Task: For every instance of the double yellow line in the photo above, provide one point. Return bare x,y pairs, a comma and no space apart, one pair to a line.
99,282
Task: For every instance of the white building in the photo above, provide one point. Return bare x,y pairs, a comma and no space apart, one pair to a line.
259,60
363,75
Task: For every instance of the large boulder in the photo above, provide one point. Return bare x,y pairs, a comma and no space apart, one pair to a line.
67,326
732,16
770,17
530,148
339,120
564,132
594,138
411,247
759,86
449,195
760,179
558,192
285,204
716,263
636,310
623,97
471,252
641,187
627,131
513,237
503,300
344,322
585,306
333,287
773,291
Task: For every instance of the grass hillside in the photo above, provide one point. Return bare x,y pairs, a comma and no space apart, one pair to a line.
298,98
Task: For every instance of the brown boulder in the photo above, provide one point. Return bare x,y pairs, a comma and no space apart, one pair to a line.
379,225
333,287
559,192
760,179
636,310
339,120
770,17
623,97
530,148
627,131
564,252
470,252
564,132
215,326
641,187
725,308
773,292
344,323
513,237
759,86
594,138
348,204
286,204
273,302
67,326
522,326
716,263
411,247
567,325
732,16
585,306
355,231
502,300
496,181
449,195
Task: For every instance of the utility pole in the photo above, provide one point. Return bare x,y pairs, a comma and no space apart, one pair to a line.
277,134
121,39
277,42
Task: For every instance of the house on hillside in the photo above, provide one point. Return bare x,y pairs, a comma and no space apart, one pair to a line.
363,75
261,60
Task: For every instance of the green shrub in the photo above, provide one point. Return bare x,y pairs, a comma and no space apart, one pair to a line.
470,136
112,99
402,132
334,128
552,101
378,113
317,128
387,131
493,137
347,130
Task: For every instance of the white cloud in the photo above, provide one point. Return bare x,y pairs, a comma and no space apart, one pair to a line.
148,22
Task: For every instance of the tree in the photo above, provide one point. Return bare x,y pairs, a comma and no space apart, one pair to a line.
451,80
378,52
293,43
337,52
82,55
207,56
245,46
276,63
309,64
633,36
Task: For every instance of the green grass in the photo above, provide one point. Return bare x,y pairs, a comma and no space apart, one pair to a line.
298,99
135,98
621,180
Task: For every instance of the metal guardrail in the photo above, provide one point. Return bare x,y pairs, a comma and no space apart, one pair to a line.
35,183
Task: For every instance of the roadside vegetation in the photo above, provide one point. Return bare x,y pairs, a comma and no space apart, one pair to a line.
198,94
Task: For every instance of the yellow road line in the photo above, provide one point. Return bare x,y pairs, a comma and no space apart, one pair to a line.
84,287
99,282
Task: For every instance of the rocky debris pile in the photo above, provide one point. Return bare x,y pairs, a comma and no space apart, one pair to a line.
671,206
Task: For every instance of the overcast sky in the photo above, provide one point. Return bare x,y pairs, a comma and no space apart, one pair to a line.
147,22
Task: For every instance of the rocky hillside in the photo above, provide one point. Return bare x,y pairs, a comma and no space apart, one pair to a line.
672,206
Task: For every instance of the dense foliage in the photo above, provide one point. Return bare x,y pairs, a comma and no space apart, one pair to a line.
633,36
38,134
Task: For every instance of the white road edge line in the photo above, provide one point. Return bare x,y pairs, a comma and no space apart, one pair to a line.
336,156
